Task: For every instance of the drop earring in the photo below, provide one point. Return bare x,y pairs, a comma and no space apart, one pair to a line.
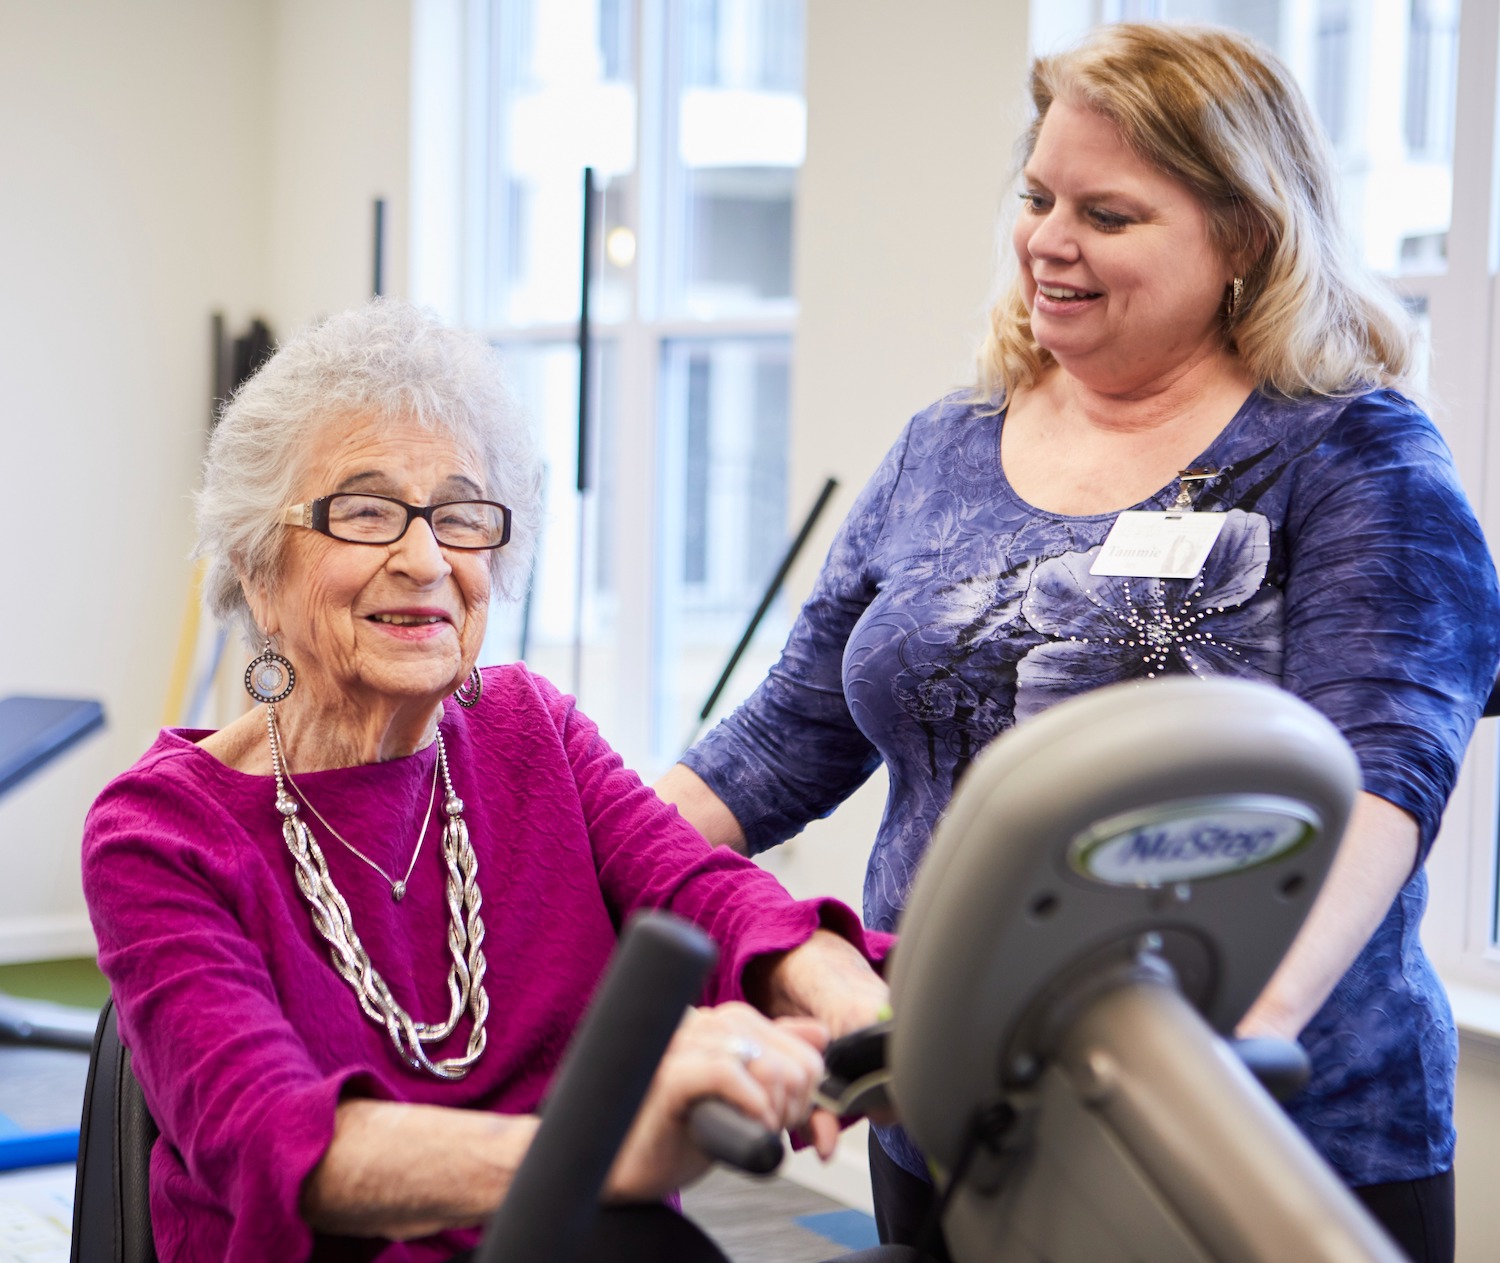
1236,290
270,678
468,693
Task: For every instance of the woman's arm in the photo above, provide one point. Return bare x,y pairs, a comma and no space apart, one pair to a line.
792,751
701,807
1389,626
829,980
647,856
401,1171
1374,861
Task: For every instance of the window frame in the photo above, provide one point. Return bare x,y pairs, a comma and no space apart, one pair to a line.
465,32
1463,868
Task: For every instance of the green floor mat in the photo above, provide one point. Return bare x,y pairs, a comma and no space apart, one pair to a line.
75,981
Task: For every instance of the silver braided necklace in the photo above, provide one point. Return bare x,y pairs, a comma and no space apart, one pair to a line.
332,919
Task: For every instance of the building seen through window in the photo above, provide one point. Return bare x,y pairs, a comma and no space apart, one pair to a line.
1382,78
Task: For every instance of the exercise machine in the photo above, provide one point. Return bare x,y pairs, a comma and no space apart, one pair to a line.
1113,884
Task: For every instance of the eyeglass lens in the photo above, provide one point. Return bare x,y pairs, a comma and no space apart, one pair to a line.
375,520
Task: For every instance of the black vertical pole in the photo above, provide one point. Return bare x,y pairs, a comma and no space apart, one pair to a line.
585,331
218,387
793,550
378,287
585,378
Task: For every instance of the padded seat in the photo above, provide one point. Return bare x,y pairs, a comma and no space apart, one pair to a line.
111,1192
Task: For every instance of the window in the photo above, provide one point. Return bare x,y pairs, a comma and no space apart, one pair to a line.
690,114
1431,66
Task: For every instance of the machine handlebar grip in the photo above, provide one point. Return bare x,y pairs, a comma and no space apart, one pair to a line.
1280,1065
722,1132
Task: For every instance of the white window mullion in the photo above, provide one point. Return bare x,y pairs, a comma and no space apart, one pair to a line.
635,561
1461,300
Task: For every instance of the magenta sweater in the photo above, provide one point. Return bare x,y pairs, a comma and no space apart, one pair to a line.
245,1038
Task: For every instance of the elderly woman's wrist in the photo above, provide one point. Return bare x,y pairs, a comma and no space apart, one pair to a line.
459,1167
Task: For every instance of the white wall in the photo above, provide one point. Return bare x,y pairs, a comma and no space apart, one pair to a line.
1477,1169
339,108
162,160
134,203
912,114
912,111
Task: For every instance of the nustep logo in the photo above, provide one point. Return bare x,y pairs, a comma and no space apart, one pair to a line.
1193,840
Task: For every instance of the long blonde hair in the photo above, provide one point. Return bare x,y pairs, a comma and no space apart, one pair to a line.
1220,113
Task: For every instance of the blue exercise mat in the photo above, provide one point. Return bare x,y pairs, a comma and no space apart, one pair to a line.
41,1103
35,730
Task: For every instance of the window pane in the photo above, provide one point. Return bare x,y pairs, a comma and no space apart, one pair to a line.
736,131
722,527
564,99
1385,92
576,650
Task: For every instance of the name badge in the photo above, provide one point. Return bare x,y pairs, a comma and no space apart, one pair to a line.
1147,545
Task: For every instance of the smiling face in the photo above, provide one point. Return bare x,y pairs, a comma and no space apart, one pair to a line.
375,625
1124,285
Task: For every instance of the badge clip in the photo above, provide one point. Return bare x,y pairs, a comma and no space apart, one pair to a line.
1186,490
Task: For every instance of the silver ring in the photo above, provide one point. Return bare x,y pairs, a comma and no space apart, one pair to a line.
747,1050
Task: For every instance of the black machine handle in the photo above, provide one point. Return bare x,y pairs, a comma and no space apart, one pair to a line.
1281,1066
656,973
724,1133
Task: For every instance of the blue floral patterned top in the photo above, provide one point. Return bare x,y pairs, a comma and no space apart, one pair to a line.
1350,570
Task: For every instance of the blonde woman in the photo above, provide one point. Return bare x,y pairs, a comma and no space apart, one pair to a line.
1185,330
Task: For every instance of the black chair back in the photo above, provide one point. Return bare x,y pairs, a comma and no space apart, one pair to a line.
111,1193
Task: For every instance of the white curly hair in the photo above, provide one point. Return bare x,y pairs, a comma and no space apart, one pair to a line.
390,360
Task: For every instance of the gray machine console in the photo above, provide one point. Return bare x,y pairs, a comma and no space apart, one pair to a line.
1113,885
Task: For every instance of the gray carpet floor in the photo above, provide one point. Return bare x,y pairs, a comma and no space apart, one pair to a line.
755,1220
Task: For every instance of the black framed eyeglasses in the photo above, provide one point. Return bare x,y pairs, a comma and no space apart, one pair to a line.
357,518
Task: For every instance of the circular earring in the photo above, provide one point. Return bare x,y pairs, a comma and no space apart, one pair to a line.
270,678
468,693
1236,290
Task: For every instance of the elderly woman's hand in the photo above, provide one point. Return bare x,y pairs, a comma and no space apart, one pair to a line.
766,1069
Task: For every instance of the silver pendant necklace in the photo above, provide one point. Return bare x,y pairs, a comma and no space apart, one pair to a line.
398,888
332,919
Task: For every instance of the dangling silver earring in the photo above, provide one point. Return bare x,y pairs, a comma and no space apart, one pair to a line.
270,678
1236,289
468,693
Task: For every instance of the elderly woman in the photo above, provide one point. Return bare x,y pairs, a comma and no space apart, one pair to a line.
350,933
1186,453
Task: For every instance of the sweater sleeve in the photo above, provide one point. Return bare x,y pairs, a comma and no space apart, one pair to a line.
791,752
230,1084
1392,611
647,856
